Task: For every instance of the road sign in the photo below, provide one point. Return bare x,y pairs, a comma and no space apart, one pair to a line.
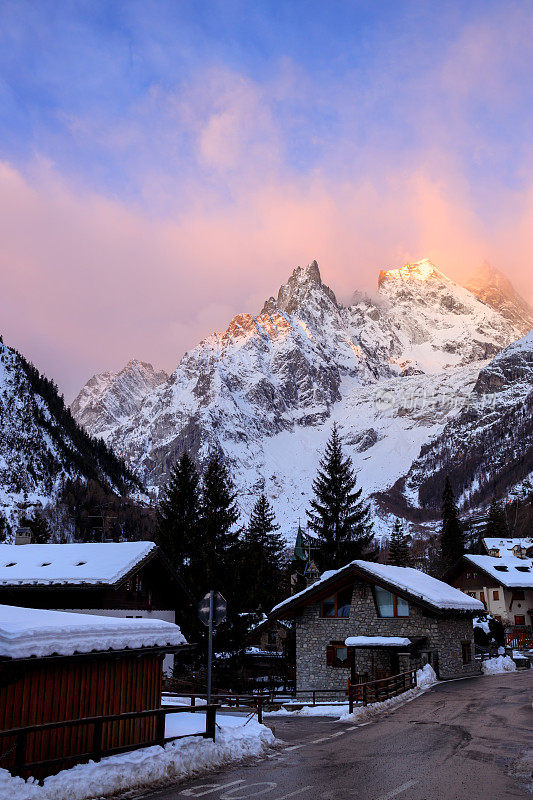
219,609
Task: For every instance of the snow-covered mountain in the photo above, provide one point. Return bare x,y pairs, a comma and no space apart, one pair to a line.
496,290
109,398
40,442
392,370
486,448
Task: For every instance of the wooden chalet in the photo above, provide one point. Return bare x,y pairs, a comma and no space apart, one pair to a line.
119,579
58,666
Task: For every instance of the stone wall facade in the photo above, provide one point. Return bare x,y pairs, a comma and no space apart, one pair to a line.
314,634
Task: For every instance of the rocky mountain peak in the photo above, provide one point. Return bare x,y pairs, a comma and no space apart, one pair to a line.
301,284
423,270
494,289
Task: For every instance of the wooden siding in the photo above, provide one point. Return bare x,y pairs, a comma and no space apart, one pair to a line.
63,689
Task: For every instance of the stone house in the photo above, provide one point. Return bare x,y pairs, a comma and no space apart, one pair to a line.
368,621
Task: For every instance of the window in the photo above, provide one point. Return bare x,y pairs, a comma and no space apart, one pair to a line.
138,583
272,638
338,655
495,595
518,594
466,652
522,569
471,594
482,598
500,568
338,605
390,605
519,619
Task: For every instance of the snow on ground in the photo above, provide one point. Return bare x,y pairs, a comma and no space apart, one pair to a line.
498,665
425,678
149,767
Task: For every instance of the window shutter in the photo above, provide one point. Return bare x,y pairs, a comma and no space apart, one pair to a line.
330,655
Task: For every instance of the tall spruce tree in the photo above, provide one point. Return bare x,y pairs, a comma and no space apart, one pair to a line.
339,518
452,540
178,521
262,558
496,521
399,554
220,539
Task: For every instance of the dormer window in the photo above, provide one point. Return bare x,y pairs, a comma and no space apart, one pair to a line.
46,563
390,605
81,563
501,568
12,564
522,569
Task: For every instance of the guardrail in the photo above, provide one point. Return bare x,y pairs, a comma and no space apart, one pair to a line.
382,689
97,751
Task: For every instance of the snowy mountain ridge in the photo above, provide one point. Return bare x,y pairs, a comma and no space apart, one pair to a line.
391,370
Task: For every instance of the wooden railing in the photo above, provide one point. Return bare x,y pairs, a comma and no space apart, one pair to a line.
520,640
18,747
382,689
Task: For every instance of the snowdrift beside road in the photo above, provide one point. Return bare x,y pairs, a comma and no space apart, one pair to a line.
145,768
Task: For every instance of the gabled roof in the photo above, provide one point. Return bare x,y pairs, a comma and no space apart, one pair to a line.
505,546
405,581
30,632
510,572
90,564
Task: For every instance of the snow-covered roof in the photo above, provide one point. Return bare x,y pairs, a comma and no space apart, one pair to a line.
510,572
416,584
80,563
505,546
377,641
27,632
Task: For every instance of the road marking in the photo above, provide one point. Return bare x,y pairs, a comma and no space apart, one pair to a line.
395,792
294,747
249,790
334,735
292,794
209,788
319,741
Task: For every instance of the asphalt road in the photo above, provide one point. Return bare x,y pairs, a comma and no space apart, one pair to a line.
459,741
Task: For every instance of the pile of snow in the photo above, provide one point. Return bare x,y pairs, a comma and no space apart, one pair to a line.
147,767
498,665
27,632
483,623
425,678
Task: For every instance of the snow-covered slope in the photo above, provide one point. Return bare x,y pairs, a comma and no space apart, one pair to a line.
40,443
487,447
109,398
391,369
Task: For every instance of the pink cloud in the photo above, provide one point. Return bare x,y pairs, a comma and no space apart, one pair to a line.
88,283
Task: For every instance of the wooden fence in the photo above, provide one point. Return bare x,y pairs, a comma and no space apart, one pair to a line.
383,689
16,753
519,640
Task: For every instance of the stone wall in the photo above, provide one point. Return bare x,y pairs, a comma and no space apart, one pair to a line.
314,633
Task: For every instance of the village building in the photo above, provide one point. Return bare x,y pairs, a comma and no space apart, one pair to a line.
503,583
269,653
57,666
119,579
369,621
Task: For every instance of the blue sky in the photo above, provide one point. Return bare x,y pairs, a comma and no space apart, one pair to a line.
392,129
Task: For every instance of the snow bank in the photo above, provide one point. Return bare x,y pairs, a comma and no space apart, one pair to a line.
377,641
425,678
498,665
145,768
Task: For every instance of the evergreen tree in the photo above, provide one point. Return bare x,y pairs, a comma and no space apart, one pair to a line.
178,520
452,540
262,558
219,537
497,521
339,518
399,554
